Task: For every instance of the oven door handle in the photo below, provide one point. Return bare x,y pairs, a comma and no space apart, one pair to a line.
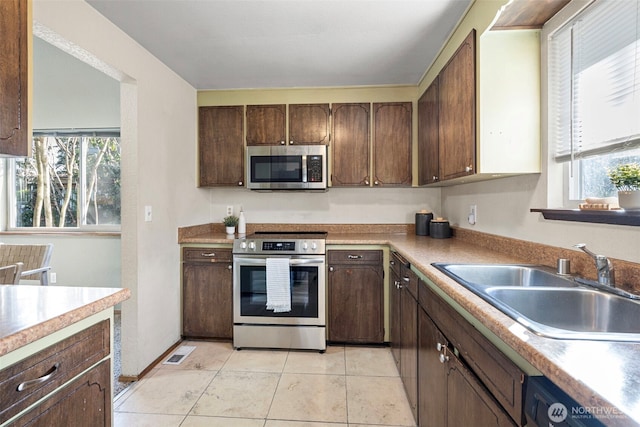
292,261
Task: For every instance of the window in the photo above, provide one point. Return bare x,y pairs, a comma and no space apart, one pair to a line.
594,95
71,181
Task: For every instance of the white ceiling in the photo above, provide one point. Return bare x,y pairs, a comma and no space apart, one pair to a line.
240,44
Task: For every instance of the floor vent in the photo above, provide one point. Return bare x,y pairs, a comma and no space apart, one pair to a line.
179,355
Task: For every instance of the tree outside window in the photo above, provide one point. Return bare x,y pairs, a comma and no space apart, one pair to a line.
69,181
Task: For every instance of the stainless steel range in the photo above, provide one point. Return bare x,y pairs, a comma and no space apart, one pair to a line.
301,257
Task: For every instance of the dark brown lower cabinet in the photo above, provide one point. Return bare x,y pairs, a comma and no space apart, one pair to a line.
462,378
356,296
86,401
472,405
409,338
207,291
432,378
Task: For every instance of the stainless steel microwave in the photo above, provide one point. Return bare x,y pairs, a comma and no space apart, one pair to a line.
287,167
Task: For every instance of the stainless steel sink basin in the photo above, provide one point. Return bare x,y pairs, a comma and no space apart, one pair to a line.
473,275
549,304
570,312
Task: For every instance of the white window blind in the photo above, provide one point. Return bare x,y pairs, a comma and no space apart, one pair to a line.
595,81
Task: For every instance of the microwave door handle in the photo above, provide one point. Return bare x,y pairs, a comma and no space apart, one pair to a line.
304,168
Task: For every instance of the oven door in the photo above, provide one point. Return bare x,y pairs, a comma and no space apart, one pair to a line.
307,282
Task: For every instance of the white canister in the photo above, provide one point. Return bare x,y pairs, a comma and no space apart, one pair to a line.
242,224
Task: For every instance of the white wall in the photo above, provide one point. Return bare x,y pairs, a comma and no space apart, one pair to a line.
336,206
158,162
503,209
69,93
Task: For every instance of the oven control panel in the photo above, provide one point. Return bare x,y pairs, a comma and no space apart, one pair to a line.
278,246
285,247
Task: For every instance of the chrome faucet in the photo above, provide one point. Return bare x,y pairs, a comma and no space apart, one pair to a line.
603,265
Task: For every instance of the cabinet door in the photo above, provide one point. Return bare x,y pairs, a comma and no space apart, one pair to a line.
356,303
220,147
207,309
392,144
309,124
84,402
15,31
432,374
469,403
457,112
428,135
409,348
351,155
266,124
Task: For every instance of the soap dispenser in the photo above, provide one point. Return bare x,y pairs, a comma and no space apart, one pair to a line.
242,224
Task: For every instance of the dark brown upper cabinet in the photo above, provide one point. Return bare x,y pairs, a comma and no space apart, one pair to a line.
309,124
220,146
392,144
266,124
428,135
350,147
457,112
15,35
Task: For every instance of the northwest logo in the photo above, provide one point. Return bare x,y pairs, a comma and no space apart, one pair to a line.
557,412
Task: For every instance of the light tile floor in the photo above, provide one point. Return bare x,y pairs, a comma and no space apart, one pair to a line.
216,386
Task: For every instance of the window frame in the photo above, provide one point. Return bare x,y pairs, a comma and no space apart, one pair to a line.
557,177
10,168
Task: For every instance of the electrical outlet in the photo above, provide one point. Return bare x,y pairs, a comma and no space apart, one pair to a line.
473,214
53,277
229,210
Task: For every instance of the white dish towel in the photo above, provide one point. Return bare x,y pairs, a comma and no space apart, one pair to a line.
278,285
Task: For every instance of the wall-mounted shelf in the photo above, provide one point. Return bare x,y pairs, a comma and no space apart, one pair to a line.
617,217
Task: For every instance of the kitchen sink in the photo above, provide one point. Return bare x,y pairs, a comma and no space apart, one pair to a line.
482,275
549,304
570,312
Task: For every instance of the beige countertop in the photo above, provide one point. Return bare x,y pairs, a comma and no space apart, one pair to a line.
28,313
602,376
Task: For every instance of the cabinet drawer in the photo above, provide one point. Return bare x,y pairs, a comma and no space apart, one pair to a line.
357,256
397,262
206,255
27,381
498,373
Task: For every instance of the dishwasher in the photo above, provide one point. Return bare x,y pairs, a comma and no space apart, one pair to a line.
549,406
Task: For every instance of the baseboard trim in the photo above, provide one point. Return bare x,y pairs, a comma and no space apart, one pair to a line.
133,378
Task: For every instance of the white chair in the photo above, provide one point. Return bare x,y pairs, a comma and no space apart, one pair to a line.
35,260
10,274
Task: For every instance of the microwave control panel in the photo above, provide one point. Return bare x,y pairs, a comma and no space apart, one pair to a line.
314,168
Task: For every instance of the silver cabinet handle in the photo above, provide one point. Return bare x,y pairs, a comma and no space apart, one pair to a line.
435,178
376,182
392,262
366,181
230,267
282,142
46,377
291,142
468,169
354,256
444,358
398,285
406,279
240,183
330,268
210,254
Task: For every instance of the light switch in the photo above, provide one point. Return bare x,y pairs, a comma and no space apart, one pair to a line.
148,214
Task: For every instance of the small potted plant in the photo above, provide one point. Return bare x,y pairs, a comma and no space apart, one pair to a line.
626,178
230,223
